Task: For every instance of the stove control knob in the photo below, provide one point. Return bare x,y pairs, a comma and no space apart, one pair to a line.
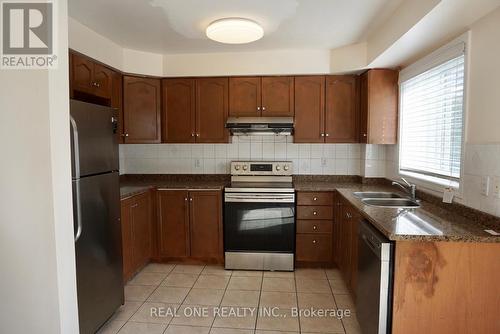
237,167
286,167
245,167
278,168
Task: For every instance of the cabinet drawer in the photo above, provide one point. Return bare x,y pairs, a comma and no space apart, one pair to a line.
314,198
315,212
314,247
314,226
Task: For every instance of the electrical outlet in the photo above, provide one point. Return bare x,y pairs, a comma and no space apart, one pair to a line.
496,186
197,163
485,185
323,162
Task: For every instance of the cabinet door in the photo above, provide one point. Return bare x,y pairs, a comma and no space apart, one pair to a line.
309,109
206,224
173,220
103,78
141,110
211,110
141,229
314,247
178,110
277,96
126,224
244,96
341,110
83,73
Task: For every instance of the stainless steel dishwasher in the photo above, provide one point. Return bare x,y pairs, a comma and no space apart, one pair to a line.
374,286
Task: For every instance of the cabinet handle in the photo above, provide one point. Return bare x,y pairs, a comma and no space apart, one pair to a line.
263,108
190,199
192,135
314,241
125,135
315,198
327,135
364,134
315,213
97,84
314,227
197,135
258,108
322,135
186,199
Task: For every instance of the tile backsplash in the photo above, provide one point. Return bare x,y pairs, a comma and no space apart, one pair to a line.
319,159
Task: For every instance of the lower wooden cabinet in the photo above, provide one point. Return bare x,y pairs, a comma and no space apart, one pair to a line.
315,247
136,221
190,224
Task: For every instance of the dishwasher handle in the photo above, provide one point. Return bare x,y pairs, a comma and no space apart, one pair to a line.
371,244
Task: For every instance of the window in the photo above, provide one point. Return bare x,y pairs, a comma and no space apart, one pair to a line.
432,118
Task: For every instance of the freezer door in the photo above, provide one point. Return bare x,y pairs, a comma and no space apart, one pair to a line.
94,148
98,249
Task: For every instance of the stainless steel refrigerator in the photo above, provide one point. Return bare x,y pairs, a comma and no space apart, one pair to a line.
96,207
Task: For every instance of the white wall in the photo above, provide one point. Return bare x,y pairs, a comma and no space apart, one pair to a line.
38,284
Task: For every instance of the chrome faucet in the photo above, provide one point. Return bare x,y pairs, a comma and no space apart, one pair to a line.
408,187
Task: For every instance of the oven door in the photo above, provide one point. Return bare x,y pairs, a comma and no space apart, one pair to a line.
259,222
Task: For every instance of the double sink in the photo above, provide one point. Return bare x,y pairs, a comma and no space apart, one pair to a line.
385,200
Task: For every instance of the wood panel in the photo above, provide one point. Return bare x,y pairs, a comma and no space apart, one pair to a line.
314,247
142,110
126,225
179,110
446,287
363,107
315,198
141,229
315,212
341,121
211,110
83,74
277,96
173,223
314,226
309,109
244,96
206,224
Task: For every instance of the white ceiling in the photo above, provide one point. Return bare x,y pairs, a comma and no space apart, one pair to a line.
178,26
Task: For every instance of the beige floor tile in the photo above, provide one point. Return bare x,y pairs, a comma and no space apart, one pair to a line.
351,325
241,298
230,331
260,331
111,327
285,300
158,313
322,324
312,285
195,315
163,268
278,284
316,300
204,297
211,282
142,328
245,320
279,274
333,273
216,270
169,295
126,311
180,280
247,273
144,278
176,329
282,320
244,283
310,273
188,269
339,287
345,301
138,292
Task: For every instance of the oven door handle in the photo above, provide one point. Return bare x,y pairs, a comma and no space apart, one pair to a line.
255,198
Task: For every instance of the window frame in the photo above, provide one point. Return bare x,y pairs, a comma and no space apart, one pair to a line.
439,56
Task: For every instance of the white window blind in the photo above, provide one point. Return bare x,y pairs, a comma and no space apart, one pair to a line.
432,108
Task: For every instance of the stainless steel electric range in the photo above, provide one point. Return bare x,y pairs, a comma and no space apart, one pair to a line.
259,216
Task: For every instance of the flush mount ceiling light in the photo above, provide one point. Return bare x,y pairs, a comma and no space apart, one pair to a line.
234,31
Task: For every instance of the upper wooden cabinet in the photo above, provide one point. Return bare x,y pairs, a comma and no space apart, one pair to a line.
379,106
341,116
211,110
179,101
261,96
309,109
141,110
91,78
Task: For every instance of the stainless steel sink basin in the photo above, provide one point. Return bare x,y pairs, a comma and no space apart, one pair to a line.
375,194
402,203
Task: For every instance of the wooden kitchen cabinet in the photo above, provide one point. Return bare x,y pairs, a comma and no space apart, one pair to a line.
341,113
261,96
379,106
136,221
141,110
309,109
190,225
90,79
211,110
178,115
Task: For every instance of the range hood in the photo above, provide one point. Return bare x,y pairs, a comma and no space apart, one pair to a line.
258,126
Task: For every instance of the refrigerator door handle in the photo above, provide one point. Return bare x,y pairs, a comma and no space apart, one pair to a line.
78,211
76,152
